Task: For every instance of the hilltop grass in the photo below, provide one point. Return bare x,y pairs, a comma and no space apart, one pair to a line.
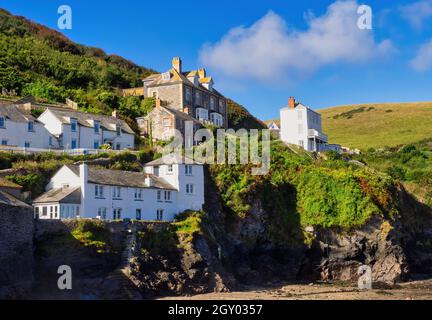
378,125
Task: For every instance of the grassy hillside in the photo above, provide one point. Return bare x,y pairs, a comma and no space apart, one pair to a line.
42,62
378,125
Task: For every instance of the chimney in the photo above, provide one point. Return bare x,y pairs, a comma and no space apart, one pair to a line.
148,181
291,102
177,64
158,103
186,110
115,114
83,171
201,72
72,104
27,106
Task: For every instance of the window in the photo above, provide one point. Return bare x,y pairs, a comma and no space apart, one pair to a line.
4,142
188,170
2,122
167,195
138,194
118,146
26,144
44,211
50,141
188,94
221,106
30,126
170,168
116,192
73,144
189,188
96,144
117,214
56,211
197,97
159,195
154,94
102,213
156,170
99,191
73,125
159,214
212,103
77,212
118,130
301,143
138,214
96,127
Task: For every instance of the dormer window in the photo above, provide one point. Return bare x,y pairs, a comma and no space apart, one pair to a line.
30,126
118,130
96,127
2,122
74,124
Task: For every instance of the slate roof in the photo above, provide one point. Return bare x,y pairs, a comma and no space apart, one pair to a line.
178,77
172,158
85,119
15,113
9,200
62,195
122,178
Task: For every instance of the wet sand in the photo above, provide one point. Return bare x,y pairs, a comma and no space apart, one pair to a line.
415,290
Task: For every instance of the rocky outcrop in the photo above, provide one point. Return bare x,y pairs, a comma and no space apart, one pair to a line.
338,255
181,267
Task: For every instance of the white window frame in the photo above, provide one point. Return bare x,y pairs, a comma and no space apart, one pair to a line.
167,196
116,192
170,168
159,214
4,142
189,188
99,191
188,169
159,195
2,122
138,194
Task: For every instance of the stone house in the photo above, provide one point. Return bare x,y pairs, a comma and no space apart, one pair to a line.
188,92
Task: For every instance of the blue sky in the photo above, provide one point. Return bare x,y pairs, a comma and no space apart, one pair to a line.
261,52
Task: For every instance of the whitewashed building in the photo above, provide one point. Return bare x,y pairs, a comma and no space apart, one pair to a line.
80,130
302,126
19,128
167,187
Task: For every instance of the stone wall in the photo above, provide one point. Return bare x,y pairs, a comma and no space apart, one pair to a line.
16,250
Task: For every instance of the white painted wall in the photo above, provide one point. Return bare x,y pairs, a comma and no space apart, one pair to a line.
17,134
178,179
295,123
84,136
149,203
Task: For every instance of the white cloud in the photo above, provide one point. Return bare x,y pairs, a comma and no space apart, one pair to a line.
270,50
416,13
423,59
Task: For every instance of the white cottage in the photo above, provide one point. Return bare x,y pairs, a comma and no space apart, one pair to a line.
81,130
167,187
302,126
19,128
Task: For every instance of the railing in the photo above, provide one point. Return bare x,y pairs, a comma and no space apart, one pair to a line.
315,133
72,152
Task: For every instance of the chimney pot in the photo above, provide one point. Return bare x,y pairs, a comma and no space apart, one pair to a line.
291,102
158,103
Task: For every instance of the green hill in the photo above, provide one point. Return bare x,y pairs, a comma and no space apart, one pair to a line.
44,63
378,125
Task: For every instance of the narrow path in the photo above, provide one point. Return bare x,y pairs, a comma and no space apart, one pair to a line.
127,289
